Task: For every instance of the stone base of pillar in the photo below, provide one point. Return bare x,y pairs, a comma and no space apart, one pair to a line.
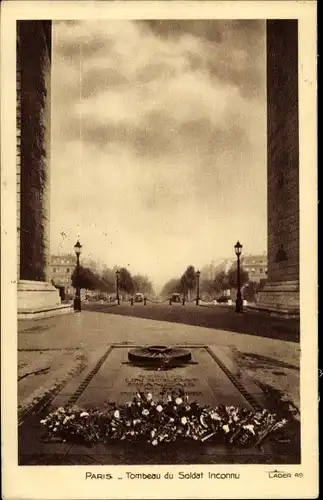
281,297
39,299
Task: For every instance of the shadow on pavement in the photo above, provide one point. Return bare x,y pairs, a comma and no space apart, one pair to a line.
210,317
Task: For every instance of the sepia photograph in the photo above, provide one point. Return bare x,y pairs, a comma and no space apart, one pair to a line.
158,269
133,138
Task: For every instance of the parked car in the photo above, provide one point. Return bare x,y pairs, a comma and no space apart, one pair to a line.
139,297
176,297
224,299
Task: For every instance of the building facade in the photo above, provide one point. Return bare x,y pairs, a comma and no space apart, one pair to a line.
61,270
223,266
256,267
210,271
207,272
281,292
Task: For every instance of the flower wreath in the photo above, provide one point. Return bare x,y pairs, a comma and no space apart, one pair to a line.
167,420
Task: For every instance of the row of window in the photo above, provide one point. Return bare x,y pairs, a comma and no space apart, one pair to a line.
254,262
60,281
59,270
62,261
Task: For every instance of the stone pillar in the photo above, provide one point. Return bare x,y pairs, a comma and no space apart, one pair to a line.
35,293
281,292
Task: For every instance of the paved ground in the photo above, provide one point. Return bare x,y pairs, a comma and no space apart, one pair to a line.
50,348
221,317
59,352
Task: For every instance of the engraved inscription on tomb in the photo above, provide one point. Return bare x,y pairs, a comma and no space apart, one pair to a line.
153,382
188,393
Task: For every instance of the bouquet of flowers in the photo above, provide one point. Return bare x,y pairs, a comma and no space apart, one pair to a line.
167,419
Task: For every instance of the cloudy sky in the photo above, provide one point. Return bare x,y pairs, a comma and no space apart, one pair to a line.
158,141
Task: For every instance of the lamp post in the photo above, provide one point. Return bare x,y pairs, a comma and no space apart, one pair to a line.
197,287
117,276
237,248
77,299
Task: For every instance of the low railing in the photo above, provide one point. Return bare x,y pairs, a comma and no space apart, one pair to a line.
201,302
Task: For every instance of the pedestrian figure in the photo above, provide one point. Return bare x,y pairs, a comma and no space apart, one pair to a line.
145,300
131,301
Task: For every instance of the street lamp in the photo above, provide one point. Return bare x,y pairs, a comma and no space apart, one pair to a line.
77,299
117,276
237,248
197,287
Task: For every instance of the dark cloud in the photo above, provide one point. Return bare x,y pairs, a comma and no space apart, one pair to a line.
230,41
248,80
218,31
143,140
159,135
231,52
177,28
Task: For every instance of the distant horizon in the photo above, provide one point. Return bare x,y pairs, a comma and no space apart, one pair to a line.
158,286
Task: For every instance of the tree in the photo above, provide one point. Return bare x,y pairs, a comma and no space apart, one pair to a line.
206,287
142,284
171,286
125,281
107,286
108,279
250,290
188,280
95,266
87,279
233,279
220,282
215,286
